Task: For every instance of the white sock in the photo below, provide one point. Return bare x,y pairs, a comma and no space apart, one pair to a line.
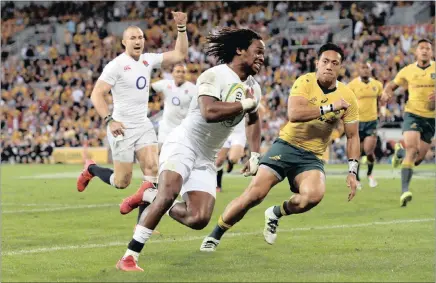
141,235
132,253
150,179
149,195
112,180
175,202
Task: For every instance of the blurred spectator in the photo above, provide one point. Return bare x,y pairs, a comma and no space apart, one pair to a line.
46,89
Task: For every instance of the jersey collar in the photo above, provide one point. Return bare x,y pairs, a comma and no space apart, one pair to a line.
423,68
369,79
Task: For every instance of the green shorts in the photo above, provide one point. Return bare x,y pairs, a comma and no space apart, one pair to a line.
426,126
367,129
287,161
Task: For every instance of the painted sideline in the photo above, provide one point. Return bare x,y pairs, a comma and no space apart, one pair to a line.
195,238
79,206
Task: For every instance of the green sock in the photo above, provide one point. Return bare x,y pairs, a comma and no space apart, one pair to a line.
406,176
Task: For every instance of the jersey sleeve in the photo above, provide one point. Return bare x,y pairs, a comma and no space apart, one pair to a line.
154,59
208,84
110,73
400,78
159,86
300,87
351,115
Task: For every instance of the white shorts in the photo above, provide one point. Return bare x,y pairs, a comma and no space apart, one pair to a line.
198,173
163,133
124,147
235,138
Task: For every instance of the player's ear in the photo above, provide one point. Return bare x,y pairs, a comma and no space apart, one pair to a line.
123,43
316,64
240,51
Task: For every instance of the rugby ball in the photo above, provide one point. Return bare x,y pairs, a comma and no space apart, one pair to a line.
233,93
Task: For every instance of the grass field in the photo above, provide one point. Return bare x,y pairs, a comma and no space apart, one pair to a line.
50,232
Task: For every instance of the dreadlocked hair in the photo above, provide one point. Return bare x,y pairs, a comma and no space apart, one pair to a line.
223,43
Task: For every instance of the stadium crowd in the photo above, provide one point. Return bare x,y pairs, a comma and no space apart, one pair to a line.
45,101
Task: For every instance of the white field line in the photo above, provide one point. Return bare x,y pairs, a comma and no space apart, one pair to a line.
31,204
80,206
198,238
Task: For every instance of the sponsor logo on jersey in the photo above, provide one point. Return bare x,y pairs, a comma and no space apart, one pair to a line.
313,100
127,68
145,63
175,101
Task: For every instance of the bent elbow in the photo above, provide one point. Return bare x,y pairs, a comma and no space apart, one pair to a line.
207,114
293,118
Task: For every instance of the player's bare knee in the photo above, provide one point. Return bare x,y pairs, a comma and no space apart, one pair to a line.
418,161
166,197
219,162
123,182
234,159
199,221
315,198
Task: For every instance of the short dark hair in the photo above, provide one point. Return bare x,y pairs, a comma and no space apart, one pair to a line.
425,40
333,47
178,64
224,42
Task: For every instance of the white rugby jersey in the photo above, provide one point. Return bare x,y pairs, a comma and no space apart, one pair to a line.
130,81
208,138
176,101
240,128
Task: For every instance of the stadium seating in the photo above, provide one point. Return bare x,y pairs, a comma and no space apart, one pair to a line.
47,80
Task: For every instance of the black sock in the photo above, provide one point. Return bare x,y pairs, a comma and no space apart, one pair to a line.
217,232
219,177
358,170
277,210
140,210
229,166
103,173
370,167
370,161
219,229
135,246
406,176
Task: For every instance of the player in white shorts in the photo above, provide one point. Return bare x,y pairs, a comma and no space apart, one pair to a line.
130,133
177,96
232,151
187,159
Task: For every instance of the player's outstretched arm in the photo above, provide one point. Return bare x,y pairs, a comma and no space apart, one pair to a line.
252,131
299,109
180,51
353,153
